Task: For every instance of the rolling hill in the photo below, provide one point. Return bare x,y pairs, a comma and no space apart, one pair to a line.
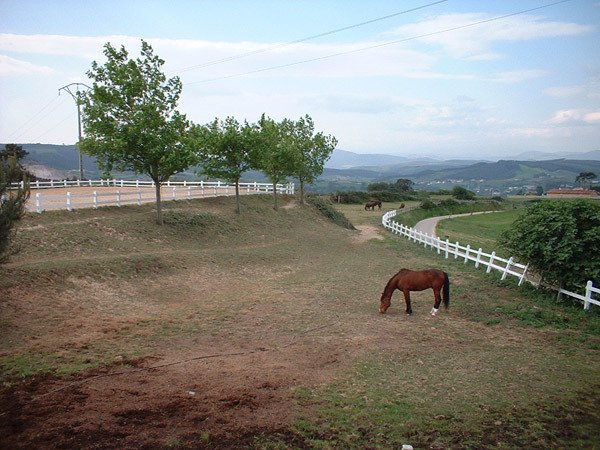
352,171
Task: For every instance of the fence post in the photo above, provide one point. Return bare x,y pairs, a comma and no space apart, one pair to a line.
139,192
174,194
438,244
189,192
447,245
489,269
119,198
69,202
506,268
456,251
588,295
467,252
478,259
65,183
95,196
38,202
523,275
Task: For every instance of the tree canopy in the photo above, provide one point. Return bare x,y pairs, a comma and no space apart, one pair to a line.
584,177
227,149
559,240
130,118
274,153
12,201
308,150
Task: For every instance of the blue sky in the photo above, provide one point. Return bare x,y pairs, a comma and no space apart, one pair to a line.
451,79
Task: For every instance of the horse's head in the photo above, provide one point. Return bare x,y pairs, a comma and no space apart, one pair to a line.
384,303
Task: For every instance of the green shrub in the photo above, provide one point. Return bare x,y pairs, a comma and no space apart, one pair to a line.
330,212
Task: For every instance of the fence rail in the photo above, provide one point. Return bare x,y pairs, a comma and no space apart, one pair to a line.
182,190
479,257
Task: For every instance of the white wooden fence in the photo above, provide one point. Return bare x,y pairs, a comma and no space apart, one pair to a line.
181,190
587,298
490,260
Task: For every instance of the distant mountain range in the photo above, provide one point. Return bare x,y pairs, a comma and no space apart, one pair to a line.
353,171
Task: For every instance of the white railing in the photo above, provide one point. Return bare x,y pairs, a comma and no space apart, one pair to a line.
479,257
183,190
141,183
491,260
587,298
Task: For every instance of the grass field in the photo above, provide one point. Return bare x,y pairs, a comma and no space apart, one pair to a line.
262,331
479,231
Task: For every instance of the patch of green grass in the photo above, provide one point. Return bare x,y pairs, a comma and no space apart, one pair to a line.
480,230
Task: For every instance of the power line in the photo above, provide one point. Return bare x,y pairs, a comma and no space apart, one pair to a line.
19,131
383,44
315,36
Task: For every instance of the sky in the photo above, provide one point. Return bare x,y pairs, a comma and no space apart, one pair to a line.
443,79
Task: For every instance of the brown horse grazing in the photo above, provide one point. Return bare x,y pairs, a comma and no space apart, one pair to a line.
372,204
401,206
409,280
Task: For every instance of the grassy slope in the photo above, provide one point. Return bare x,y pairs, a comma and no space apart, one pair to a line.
498,371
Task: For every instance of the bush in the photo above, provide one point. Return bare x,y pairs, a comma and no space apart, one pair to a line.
330,212
12,202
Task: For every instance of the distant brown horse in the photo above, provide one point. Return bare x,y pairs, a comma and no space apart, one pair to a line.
372,204
401,206
408,280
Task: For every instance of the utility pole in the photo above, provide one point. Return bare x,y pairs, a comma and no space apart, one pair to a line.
67,89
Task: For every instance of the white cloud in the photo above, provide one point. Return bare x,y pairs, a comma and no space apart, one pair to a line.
465,40
574,116
517,76
564,91
10,66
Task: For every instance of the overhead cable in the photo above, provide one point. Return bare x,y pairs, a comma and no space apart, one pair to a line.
383,44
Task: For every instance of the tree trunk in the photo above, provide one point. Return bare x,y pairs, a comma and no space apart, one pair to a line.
237,196
275,196
159,218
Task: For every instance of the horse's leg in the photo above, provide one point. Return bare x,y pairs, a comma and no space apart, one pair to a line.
407,300
438,300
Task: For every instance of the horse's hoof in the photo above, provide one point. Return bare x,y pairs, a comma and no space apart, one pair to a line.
434,311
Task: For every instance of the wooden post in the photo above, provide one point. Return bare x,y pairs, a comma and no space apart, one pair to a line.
506,268
491,262
95,196
467,252
38,203
119,198
478,259
523,274
588,295
69,202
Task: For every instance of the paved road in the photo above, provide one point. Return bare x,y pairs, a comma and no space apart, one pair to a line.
429,225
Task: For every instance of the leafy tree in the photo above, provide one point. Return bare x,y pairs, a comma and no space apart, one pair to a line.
558,239
14,151
11,150
226,151
309,151
461,193
274,155
380,186
12,201
404,185
584,177
130,118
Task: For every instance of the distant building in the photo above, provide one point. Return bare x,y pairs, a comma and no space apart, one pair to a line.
572,193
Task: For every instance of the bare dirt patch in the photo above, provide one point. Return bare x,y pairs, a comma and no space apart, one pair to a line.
367,232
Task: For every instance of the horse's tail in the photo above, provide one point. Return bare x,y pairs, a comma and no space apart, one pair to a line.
446,293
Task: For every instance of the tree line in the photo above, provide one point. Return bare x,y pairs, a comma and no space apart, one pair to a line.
131,122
